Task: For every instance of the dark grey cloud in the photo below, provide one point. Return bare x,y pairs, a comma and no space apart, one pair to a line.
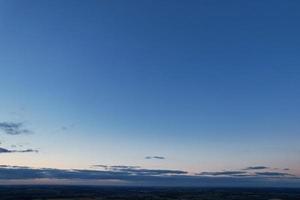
153,172
137,170
123,167
272,174
15,172
27,151
162,178
13,128
115,167
269,174
155,157
3,150
256,168
14,166
222,173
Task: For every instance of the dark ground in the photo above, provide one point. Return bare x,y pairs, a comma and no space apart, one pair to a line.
138,193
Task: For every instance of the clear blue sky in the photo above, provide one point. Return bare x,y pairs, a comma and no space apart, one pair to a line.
209,85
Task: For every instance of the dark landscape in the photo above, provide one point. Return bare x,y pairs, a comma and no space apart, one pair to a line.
145,193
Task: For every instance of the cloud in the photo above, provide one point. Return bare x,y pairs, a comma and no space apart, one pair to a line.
13,128
144,177
115,167
27,151
272,174
256,168
269,174
155,157
3,150
136,170
16,172
154,172
123,167
223,173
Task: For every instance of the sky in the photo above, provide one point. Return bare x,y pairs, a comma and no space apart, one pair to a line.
150,92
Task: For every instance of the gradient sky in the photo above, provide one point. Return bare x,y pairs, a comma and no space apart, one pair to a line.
208,85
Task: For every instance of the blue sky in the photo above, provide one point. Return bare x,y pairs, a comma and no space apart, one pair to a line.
208,85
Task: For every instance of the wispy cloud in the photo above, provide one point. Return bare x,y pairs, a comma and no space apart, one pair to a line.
83,174
123,167
13,128
115,167
272,174
256,168
249,172
136,170
222,173
3,150
155,157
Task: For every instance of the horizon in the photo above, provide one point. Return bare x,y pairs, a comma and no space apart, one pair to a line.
150,93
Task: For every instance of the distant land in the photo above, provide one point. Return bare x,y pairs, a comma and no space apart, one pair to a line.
144,193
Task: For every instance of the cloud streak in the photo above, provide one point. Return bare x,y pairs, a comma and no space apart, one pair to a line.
223,173
256,168
155,157
3,150
137,170
245,173
13,128
273,174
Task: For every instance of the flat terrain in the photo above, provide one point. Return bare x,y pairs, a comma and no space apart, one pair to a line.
140,193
